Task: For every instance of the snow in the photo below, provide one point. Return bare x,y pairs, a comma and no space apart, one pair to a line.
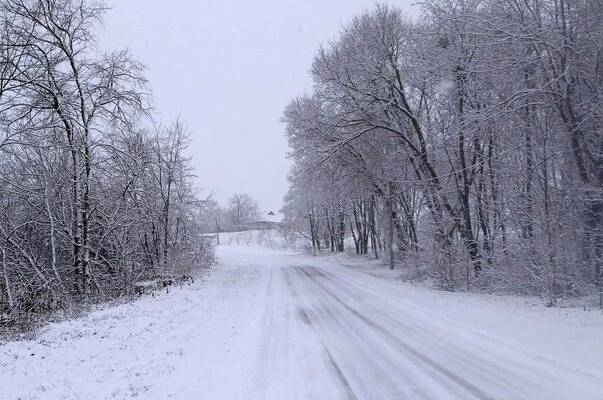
268,324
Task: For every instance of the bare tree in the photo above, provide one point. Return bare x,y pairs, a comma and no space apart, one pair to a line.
90,200
475,129
242,210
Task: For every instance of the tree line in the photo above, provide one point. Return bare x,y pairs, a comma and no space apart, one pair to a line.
239,214
94,195
465,143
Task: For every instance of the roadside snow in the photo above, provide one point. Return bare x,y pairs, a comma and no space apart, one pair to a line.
194,340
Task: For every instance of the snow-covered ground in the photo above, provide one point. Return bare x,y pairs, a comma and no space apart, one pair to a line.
271,325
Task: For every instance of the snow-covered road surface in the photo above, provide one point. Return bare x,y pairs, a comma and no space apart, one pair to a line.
272,326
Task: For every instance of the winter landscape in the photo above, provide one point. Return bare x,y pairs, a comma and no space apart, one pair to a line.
301,200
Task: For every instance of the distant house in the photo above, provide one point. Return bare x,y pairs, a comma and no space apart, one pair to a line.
270,220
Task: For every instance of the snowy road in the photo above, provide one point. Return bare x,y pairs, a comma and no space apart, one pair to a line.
274,326
375,344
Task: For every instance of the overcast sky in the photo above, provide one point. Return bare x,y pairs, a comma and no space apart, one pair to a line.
228,68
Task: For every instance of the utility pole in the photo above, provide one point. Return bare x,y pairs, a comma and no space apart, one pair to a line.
389,212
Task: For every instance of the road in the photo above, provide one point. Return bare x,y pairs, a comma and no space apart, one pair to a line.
272,326
374,344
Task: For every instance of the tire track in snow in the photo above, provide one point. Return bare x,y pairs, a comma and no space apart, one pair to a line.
426,360
329,360
370,368
509,370
263,358
479,366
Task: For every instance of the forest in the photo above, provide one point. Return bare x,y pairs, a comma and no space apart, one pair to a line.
95,194
463,145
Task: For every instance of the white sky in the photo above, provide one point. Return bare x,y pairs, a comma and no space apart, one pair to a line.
228,68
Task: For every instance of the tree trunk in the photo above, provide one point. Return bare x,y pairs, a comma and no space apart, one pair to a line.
389,219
